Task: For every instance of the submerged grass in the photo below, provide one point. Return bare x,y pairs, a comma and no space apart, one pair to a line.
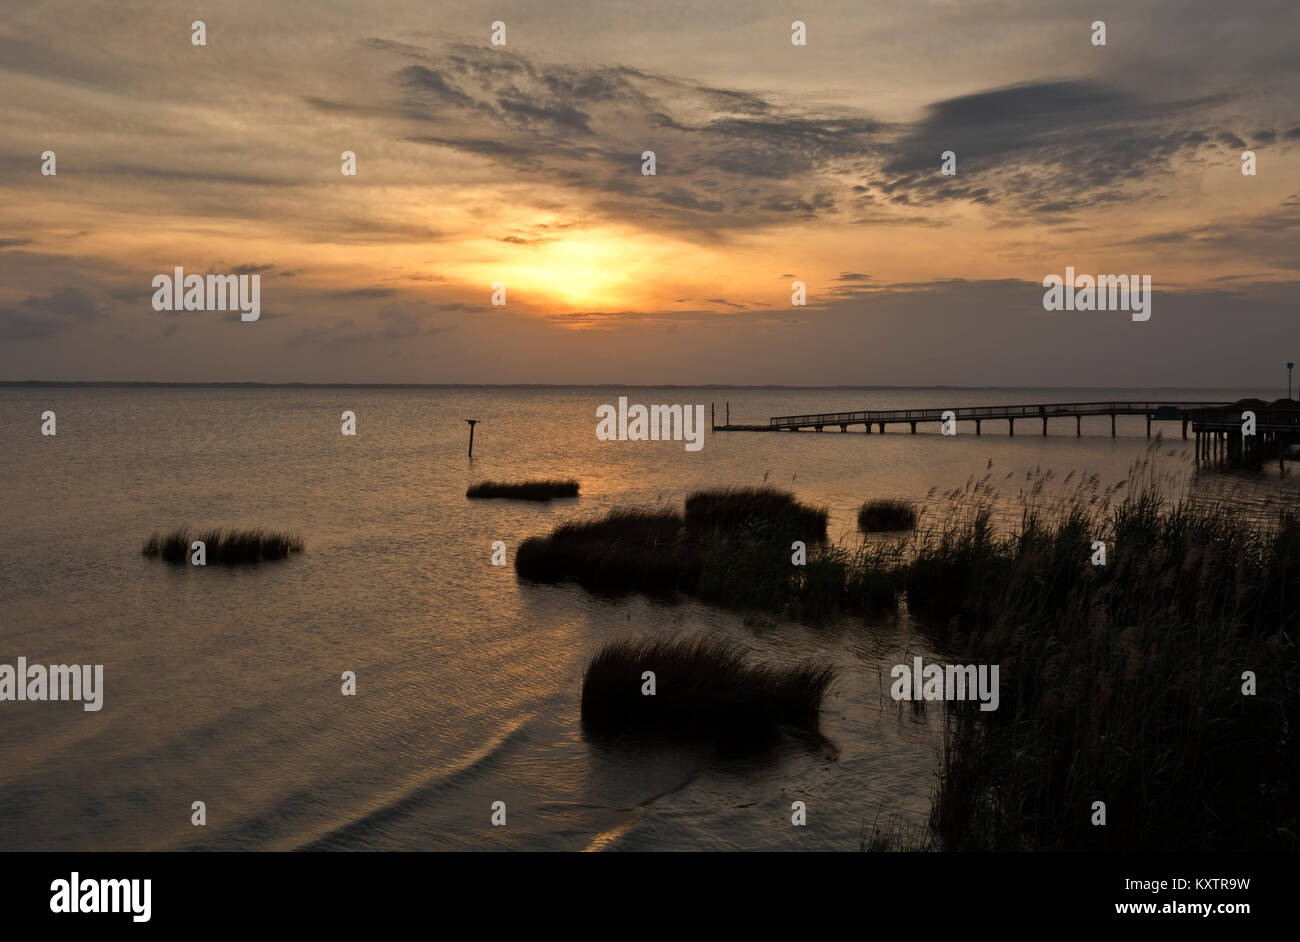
703,690
524,490
222,546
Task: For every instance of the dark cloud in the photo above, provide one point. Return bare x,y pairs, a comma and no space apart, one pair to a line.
730,158
40,316
433,86
393,325
359,293
1046,148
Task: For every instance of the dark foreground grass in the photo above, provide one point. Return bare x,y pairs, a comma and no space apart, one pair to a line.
703,690
222,546
886,514
1121,683
524,490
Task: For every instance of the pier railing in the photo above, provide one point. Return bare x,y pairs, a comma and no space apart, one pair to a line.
1153,409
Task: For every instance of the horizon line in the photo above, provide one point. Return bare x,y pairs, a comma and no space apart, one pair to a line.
254,384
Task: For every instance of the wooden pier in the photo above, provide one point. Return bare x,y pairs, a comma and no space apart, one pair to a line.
1183,412
1220,435
1218,426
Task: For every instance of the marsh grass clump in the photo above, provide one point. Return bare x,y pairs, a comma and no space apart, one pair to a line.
733,510
703,690
887,514
227,547
524,490
736,553
625,551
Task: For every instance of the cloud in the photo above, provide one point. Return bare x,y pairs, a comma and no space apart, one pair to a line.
394,325
364,293
1047,148
44,316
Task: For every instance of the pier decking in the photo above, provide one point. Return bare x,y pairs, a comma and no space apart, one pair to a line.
1218,426
1219,434
1155,411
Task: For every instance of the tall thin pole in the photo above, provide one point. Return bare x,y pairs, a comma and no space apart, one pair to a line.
472,423
1288,379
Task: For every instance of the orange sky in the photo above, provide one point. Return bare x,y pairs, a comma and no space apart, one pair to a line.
522,164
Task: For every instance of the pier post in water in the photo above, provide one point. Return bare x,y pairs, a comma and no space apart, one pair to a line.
1078,426
472,423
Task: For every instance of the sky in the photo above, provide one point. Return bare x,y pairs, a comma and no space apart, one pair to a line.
522,164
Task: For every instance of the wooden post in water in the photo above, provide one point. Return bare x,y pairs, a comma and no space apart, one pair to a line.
1112,425
1078,426
472,423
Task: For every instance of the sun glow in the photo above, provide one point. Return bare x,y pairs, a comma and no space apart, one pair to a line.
585,273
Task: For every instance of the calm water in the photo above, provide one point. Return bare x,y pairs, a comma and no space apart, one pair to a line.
223,685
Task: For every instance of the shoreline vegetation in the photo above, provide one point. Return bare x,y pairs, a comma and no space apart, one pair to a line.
524,490
1162,680
221,547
